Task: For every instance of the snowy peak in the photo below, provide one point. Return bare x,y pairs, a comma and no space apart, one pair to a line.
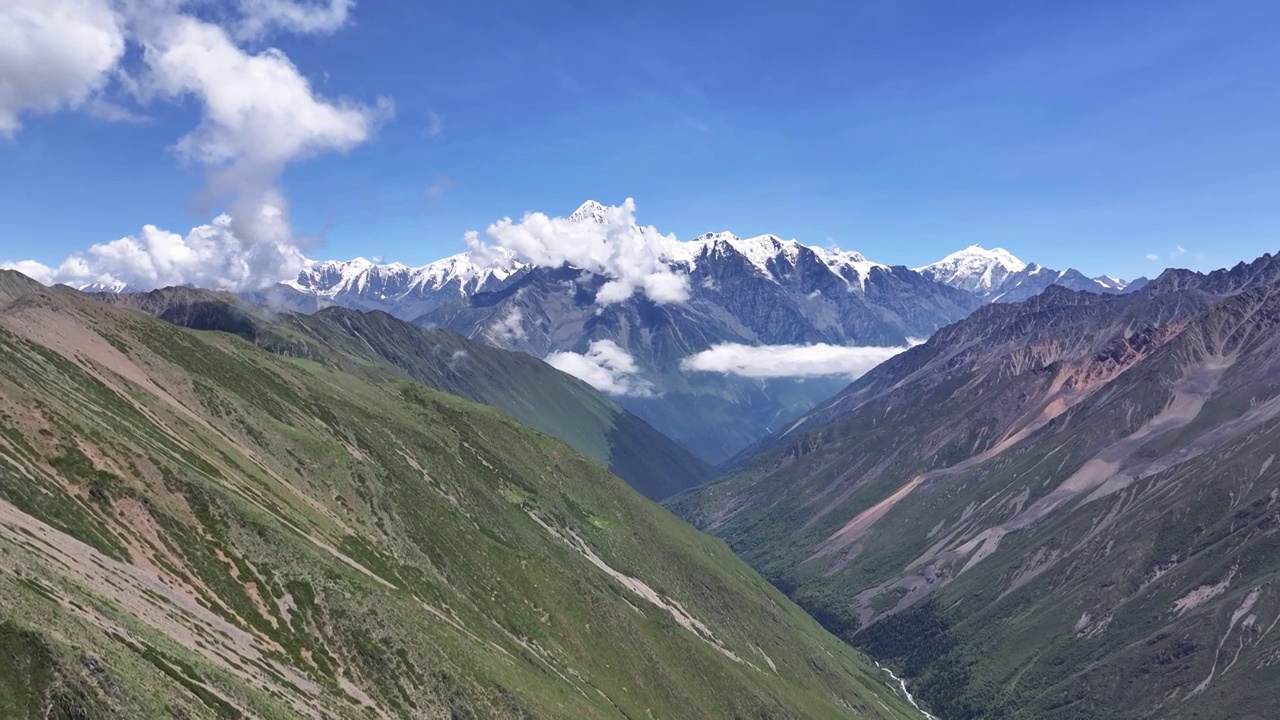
767,254
974,269
457,275
590,211
997,276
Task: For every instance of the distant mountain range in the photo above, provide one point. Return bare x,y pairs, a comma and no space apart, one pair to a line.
997,276
1061,508
755,292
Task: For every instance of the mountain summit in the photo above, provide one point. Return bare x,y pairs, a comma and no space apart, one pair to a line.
997,276
589,211
974,269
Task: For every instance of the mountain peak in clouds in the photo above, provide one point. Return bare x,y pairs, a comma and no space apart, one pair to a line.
589,211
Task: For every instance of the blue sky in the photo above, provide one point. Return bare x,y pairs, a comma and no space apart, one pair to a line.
1085,134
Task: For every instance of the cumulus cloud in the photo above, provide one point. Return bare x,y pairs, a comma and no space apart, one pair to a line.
795,361
54,54
603,240
606,367
1153,257
258,114
210,256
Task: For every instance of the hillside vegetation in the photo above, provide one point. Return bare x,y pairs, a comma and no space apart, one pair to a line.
194,527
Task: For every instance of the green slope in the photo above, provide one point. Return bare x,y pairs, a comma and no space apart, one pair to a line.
378,345
192,527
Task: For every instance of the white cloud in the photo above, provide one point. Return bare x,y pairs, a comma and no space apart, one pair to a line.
509,328
1153,257
210,256
1178,251
601,240
307,16
606,367
797,361
36,271
54,54
259,113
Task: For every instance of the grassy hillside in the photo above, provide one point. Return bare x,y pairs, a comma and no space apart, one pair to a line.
192,527
377,345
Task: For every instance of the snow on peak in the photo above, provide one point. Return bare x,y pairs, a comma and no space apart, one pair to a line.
847,262
1111,283
975,268
761,249
334,277
591,211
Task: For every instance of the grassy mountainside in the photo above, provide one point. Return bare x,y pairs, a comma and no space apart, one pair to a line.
377,345
192,527
1062,509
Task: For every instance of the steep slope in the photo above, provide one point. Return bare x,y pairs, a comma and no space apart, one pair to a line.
379,346
997,276
192,527
1064,508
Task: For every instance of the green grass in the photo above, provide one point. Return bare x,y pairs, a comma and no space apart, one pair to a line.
371,533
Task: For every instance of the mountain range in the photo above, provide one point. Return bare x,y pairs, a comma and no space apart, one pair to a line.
1042,495
260,520
997,276
754,292
1059,508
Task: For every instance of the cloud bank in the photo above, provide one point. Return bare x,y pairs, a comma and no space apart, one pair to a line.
211,256
258,114
602,240
606,367
794,361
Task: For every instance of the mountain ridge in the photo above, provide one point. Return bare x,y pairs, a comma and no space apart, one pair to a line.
1060,527
997,276
362,341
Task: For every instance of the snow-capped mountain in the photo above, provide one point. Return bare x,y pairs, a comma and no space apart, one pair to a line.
974,269
755,291
997,276
404,291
